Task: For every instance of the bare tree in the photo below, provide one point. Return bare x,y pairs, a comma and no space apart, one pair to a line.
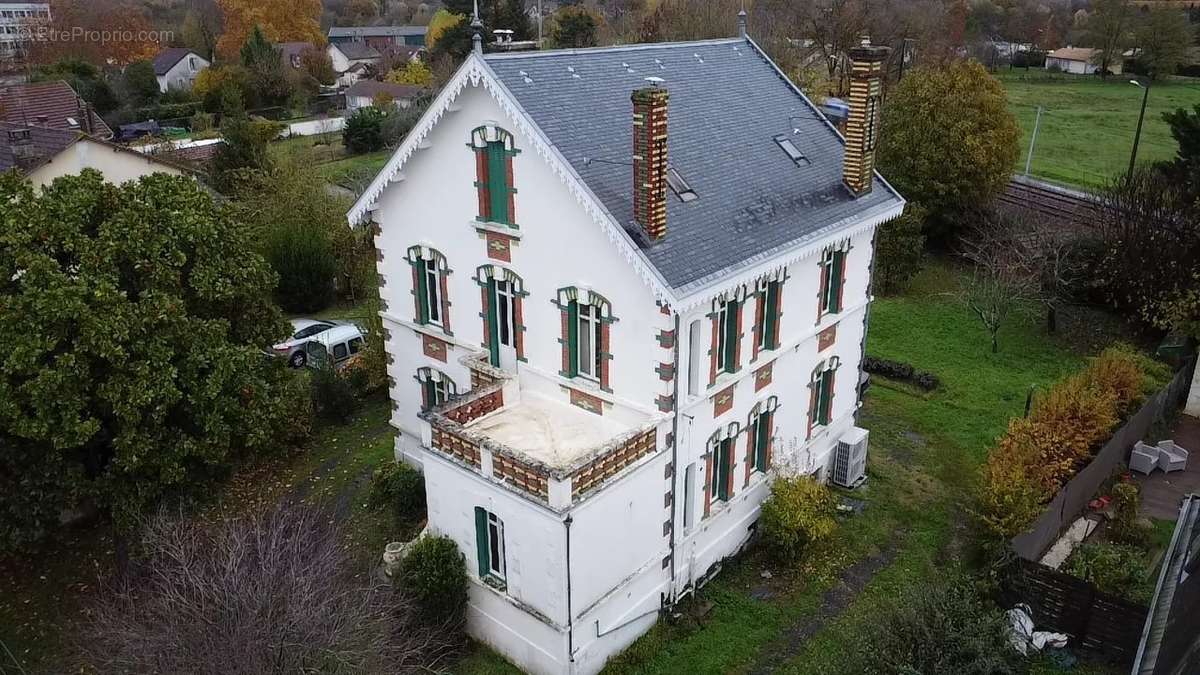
273,593
1002,283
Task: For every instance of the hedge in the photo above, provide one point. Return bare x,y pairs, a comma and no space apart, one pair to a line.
903,372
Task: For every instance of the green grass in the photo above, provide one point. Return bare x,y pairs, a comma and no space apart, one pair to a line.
1087,126
925,451
331,159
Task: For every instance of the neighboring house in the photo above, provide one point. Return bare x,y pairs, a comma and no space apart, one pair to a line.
1170,643
379,36
399,53
18,21
43,154
351,60
292,53
54,105
1078,60
604,339
362,94
177,68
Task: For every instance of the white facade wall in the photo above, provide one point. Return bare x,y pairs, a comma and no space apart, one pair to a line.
183,74
117,165
622,536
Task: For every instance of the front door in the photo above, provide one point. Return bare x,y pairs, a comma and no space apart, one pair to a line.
503,322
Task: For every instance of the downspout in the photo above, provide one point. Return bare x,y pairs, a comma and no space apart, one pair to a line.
570,616
674,455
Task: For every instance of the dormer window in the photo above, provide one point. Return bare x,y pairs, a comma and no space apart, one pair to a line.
494,149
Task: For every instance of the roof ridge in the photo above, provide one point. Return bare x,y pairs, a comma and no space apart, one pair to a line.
637,46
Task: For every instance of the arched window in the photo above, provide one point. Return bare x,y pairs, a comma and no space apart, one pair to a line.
436,387
726,315
833,278
494,149
768,311
719,461
820,407
502,293
432,304
586,321
760,431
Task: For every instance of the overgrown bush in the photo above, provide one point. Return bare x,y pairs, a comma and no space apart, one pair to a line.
434,573
1067,424
303,257
799,513
1113,568
270,593
937,629
1125,528
333,396
399,488
364,130
903,372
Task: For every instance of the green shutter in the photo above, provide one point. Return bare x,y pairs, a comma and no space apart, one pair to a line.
498,188
764,437
481,542
573,338
422,292
723,470
835,281
731,336
771,308
430,393
826,397
493,325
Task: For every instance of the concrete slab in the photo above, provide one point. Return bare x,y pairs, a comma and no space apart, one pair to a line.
549,431
1074,536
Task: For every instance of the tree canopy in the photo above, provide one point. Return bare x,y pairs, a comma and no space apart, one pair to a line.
135,319
1164,37
948,140
279,20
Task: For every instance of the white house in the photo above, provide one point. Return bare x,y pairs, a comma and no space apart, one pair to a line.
364,92
42,154
177,68
1077,60
351,59
623,288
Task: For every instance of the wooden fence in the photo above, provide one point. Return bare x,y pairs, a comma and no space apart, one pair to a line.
1070,501
1097,621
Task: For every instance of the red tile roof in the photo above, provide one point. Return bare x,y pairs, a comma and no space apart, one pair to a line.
50,104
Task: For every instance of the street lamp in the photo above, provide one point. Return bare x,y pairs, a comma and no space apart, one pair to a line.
1138,134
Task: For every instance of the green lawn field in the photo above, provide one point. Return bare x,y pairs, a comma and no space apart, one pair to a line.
1087,127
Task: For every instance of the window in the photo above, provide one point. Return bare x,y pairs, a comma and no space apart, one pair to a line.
680,186
436,387
792,151
719,463
356,345
489,544
503,291
728,312
766,324
587,317
494,151
722,470
429,287
694,351
833,270
820,409
312,330
761,430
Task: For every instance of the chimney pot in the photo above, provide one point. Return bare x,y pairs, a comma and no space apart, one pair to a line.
650,159
862,125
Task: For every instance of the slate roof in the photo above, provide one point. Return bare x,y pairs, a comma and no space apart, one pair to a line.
375,31
167,58
371,88
40,145
358,50
56,101
728,103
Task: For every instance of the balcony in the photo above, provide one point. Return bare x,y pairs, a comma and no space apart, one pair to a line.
529,441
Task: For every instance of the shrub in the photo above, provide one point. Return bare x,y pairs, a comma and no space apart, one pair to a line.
332,396
1066,425
900,250
1009,499
234,591
1113,568
1124,528
940,629
364,130
434,573
798,514
896,370
1118,370
400,488
303,257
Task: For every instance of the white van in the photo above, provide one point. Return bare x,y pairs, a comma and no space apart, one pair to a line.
335,345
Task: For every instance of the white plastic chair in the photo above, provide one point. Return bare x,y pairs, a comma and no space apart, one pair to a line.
1143,458
1171,457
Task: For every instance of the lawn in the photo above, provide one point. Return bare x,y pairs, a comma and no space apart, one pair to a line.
1087,126
332,160
42,595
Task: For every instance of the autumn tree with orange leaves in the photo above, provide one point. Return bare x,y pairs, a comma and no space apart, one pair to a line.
280,21
96,31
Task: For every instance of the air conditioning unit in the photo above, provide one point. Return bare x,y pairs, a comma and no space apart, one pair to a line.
850,458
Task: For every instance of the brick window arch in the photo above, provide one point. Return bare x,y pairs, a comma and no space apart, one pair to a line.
586,334
436,387
760,431
502,294
820,386
719,461
430,287
494,149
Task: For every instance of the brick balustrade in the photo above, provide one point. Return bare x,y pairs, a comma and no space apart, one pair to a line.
610,463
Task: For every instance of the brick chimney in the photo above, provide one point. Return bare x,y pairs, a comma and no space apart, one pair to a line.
650,160
862,126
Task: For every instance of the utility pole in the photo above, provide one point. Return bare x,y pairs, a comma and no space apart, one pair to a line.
1138,134
1033,139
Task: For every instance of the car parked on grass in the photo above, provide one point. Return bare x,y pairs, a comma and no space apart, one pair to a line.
303,330
336,345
